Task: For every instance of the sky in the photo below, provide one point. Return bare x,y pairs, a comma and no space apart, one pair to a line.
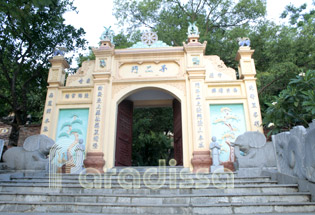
93,15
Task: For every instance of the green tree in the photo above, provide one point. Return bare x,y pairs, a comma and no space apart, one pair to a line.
294,106
29,33
123,41
275,58
83,58
303,22
149,140
169,18
120,41
283,51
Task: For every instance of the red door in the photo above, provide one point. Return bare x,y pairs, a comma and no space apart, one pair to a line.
178,145
124,134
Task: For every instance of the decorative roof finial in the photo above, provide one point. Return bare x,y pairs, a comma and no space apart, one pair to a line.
243,41
149,37
192,29
108,34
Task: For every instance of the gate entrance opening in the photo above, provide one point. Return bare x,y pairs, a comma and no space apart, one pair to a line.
125,154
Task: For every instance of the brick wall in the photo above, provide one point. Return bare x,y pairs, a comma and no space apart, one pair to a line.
5,131
25,131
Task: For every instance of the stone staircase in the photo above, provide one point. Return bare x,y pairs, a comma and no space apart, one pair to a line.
150,191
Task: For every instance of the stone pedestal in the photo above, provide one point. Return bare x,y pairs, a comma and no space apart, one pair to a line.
94,160
217,169
201,161
66,168
229,165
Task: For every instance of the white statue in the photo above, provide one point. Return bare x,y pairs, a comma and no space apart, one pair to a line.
215,152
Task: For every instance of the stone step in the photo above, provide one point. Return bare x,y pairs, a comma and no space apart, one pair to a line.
34,213
143,182
254,208
223,208
145,168
25,213
198,199
142,169
129,171
198,194
116,177
75,189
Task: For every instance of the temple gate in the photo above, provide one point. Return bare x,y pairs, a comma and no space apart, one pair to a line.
89,115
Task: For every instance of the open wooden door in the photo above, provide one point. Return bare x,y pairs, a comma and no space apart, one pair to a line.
123,153
178,142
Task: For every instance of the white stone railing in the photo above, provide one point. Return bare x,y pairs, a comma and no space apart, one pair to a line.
295,152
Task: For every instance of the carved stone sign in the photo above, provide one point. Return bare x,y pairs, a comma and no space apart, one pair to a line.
1,147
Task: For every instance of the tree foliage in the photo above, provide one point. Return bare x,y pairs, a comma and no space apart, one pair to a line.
150,141
170,17
29,33
294,106
283,52
120,40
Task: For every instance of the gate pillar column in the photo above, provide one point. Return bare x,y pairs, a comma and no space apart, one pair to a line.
95,159
196,70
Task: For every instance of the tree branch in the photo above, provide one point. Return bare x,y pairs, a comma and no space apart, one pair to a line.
5,72
198,6
210,12
183,9
138,17
265,87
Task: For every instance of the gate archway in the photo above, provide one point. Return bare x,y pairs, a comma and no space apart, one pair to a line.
152,97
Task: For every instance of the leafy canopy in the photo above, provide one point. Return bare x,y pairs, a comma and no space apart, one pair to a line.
30,30
170,17
294,106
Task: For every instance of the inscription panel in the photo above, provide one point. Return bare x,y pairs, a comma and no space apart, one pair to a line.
78,96
228,91
145,70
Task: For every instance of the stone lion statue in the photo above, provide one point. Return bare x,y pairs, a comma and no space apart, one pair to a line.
32,156
252,151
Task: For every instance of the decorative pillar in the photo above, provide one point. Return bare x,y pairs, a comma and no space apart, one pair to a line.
196,71
247,72
56,79
101,77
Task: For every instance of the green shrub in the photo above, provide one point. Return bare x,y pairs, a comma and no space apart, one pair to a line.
294,106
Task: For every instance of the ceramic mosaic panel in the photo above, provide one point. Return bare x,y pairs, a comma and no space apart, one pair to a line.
227,122
69,150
